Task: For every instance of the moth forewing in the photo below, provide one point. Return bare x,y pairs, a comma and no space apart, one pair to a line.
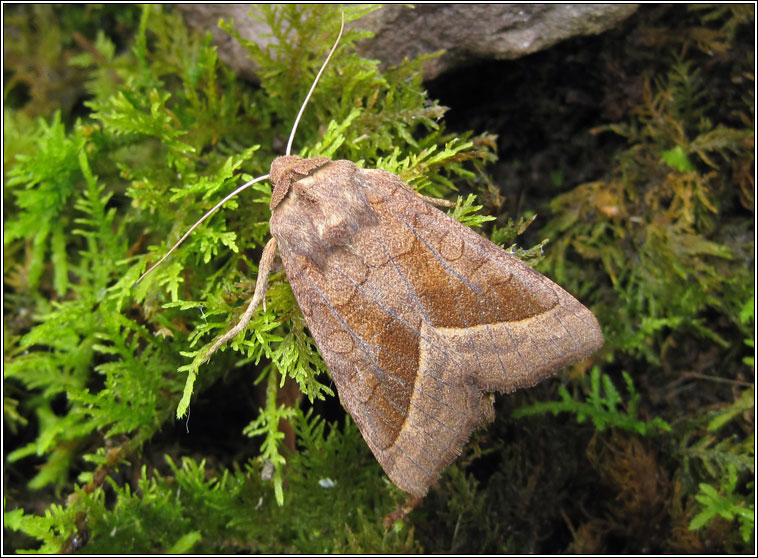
417,317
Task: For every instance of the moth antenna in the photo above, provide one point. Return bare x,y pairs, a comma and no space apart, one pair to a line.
313,87
248,184
199,221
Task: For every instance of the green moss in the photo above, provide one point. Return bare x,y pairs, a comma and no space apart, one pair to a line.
604,406
670,231
169,132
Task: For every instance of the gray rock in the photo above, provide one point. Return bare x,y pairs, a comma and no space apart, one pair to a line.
467,32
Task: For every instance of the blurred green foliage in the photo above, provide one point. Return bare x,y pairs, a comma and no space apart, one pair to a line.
671,232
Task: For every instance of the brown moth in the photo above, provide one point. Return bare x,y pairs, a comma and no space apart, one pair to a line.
417,317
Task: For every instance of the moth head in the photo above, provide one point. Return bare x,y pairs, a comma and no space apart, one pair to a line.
318,205
288,169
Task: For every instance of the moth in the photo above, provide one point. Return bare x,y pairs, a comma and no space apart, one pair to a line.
417,317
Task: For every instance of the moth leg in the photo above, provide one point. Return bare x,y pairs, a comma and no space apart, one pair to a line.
261,286
440,202
402,511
